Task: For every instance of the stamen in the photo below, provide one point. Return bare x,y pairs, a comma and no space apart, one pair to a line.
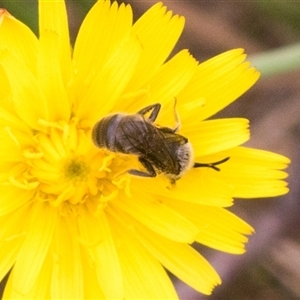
24,184
64,196
51,124
12,136
32,154
66,170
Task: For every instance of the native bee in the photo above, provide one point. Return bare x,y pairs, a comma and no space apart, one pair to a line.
159,149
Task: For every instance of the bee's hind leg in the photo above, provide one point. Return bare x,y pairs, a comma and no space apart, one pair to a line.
151,172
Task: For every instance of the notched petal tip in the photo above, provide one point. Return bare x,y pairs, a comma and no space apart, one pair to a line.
218,82
157,7
256,73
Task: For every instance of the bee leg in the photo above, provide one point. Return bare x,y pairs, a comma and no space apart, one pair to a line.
177,119
177,122
155,110
211,165
151,172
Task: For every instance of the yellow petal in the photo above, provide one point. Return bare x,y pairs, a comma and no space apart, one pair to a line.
216,135
35,247
67,280
27,97
157,32
53,18
5,91
196,186
218,228
51,78
157,217
103,30
91,284
95,234
139,268
217,82
169,80
9,292
9,148
181,260
41,288
253,173
13,144
13,198
109,83
12,235
267,158
19,40
10,120
39,291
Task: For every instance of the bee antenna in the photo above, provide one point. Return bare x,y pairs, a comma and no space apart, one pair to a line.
211,165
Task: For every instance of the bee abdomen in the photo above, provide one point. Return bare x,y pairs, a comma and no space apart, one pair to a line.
104,132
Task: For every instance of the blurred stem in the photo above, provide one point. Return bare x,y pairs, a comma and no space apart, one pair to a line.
278,61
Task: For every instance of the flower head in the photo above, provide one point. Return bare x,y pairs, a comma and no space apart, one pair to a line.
75,223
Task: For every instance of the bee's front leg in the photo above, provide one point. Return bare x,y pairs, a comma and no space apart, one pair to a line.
148,166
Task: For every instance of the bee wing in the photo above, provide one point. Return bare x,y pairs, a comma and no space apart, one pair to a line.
172,143
133,134
137,136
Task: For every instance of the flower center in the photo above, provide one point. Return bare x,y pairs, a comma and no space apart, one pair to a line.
76,170
64,167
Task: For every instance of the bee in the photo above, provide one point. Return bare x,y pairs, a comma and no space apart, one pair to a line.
159,149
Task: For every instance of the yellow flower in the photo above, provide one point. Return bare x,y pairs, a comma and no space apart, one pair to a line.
74,223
